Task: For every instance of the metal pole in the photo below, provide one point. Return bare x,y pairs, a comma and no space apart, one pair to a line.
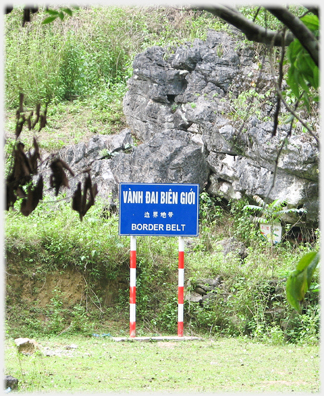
132,288
180,286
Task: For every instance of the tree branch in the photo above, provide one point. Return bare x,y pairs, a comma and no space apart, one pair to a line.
252,31
291,111
313,10
299,30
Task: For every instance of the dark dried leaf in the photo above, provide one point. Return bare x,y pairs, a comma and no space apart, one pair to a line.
21,102
29,123
58,177
83,202
76,200
27,13
34,195
11,197
34,157
26,16
42,122
19,125
93,193
21,170
20,192
8,9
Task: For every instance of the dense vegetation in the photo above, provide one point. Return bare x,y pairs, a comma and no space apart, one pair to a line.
89,53
82,67
250,302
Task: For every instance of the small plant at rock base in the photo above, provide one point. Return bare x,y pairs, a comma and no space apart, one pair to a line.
271,213
55,313
80,321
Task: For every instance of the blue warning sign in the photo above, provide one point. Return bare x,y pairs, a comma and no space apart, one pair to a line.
158,209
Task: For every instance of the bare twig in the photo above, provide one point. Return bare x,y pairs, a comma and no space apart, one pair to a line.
66,329
299,29
291,111
88,287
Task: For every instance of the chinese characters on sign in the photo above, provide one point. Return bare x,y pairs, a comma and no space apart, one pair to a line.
158,209
271,232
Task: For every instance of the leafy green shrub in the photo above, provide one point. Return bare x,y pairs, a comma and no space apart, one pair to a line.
90,52
72,71
251,300
56,313
167,317
271,213
33,57
303,72
244,229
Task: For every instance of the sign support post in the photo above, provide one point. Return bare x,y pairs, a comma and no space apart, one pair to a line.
180,286
160,210
132,288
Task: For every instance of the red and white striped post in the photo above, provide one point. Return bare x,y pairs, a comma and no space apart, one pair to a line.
180,287
132,288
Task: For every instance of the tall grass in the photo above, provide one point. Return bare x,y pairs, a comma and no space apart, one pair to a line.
251,301
93,50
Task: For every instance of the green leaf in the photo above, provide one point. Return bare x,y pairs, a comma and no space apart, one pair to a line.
311,268
52,12
259,200
61,15
302,71
277,203
306,100
314,288
67,11
292,210
299,280
289,118
306,260
292,81
252,207
260,220
295,289
311,21
49,19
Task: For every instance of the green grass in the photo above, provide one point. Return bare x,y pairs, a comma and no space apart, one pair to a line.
73,122
209,365
93,50
85,76
52,242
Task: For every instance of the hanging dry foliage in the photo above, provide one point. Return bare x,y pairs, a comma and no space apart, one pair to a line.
19,182
58,177
34,195
83,202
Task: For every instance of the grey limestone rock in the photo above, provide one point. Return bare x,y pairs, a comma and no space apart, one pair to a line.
187,91
169,157
177,108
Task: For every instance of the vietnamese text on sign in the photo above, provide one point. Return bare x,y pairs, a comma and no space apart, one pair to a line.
158,209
